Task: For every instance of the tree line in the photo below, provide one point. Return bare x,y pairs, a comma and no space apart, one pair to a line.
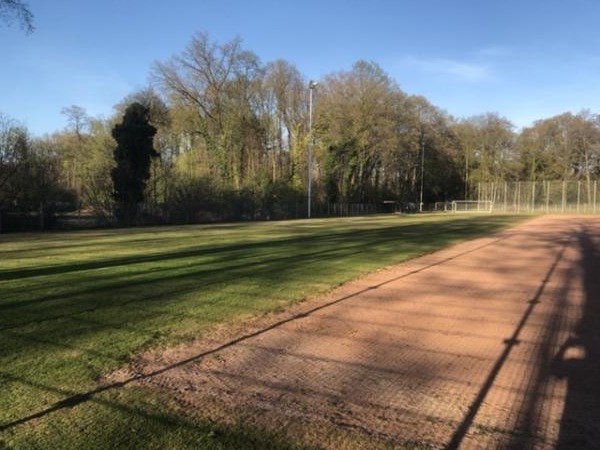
231,138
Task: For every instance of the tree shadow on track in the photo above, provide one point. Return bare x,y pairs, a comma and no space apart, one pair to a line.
509,343
579,359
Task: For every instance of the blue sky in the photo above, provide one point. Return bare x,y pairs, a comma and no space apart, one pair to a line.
525,60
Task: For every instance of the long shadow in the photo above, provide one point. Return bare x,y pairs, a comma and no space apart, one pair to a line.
13,274
228,254
414,232
579,358
213,273
509,344
76,398
155,295
222,435
537,389
248,248
238,259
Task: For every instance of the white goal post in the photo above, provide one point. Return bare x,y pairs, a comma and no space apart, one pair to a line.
472,206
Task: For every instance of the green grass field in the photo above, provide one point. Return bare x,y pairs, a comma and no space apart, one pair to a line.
74,306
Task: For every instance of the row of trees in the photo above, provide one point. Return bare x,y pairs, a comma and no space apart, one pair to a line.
232,134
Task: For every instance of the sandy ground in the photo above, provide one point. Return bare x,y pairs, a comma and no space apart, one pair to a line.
493,343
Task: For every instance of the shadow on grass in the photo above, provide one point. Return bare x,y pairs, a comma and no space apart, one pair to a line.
420,234
275,261
130,421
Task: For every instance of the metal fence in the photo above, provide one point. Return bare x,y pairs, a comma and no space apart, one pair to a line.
573,197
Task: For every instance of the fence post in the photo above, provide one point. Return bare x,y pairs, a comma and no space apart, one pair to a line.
558,196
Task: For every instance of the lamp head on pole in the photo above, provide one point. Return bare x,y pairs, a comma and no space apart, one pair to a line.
312,84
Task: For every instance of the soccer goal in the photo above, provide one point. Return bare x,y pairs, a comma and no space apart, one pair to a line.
472,206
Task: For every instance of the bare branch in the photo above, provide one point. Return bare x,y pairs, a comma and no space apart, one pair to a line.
11,10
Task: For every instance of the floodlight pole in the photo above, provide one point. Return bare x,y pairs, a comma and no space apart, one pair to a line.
311,87
422,173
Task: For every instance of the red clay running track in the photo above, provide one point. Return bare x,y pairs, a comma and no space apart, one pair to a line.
493,343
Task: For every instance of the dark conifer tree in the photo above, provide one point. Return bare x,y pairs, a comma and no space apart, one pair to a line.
133,155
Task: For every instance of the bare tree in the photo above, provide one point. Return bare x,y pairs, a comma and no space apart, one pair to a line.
284,92
355,122
219,85
77,118
11,10
12,136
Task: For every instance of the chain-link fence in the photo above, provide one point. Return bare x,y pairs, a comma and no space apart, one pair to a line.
575,197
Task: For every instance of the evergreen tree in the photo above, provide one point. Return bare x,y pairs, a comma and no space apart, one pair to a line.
133,154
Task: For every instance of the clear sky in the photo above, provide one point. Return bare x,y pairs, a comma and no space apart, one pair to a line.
523,59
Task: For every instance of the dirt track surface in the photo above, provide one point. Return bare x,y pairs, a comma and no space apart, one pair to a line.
493,343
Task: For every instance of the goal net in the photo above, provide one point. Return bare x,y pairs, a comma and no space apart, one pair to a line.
472,206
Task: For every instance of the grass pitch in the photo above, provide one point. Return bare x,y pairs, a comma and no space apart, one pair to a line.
74,306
